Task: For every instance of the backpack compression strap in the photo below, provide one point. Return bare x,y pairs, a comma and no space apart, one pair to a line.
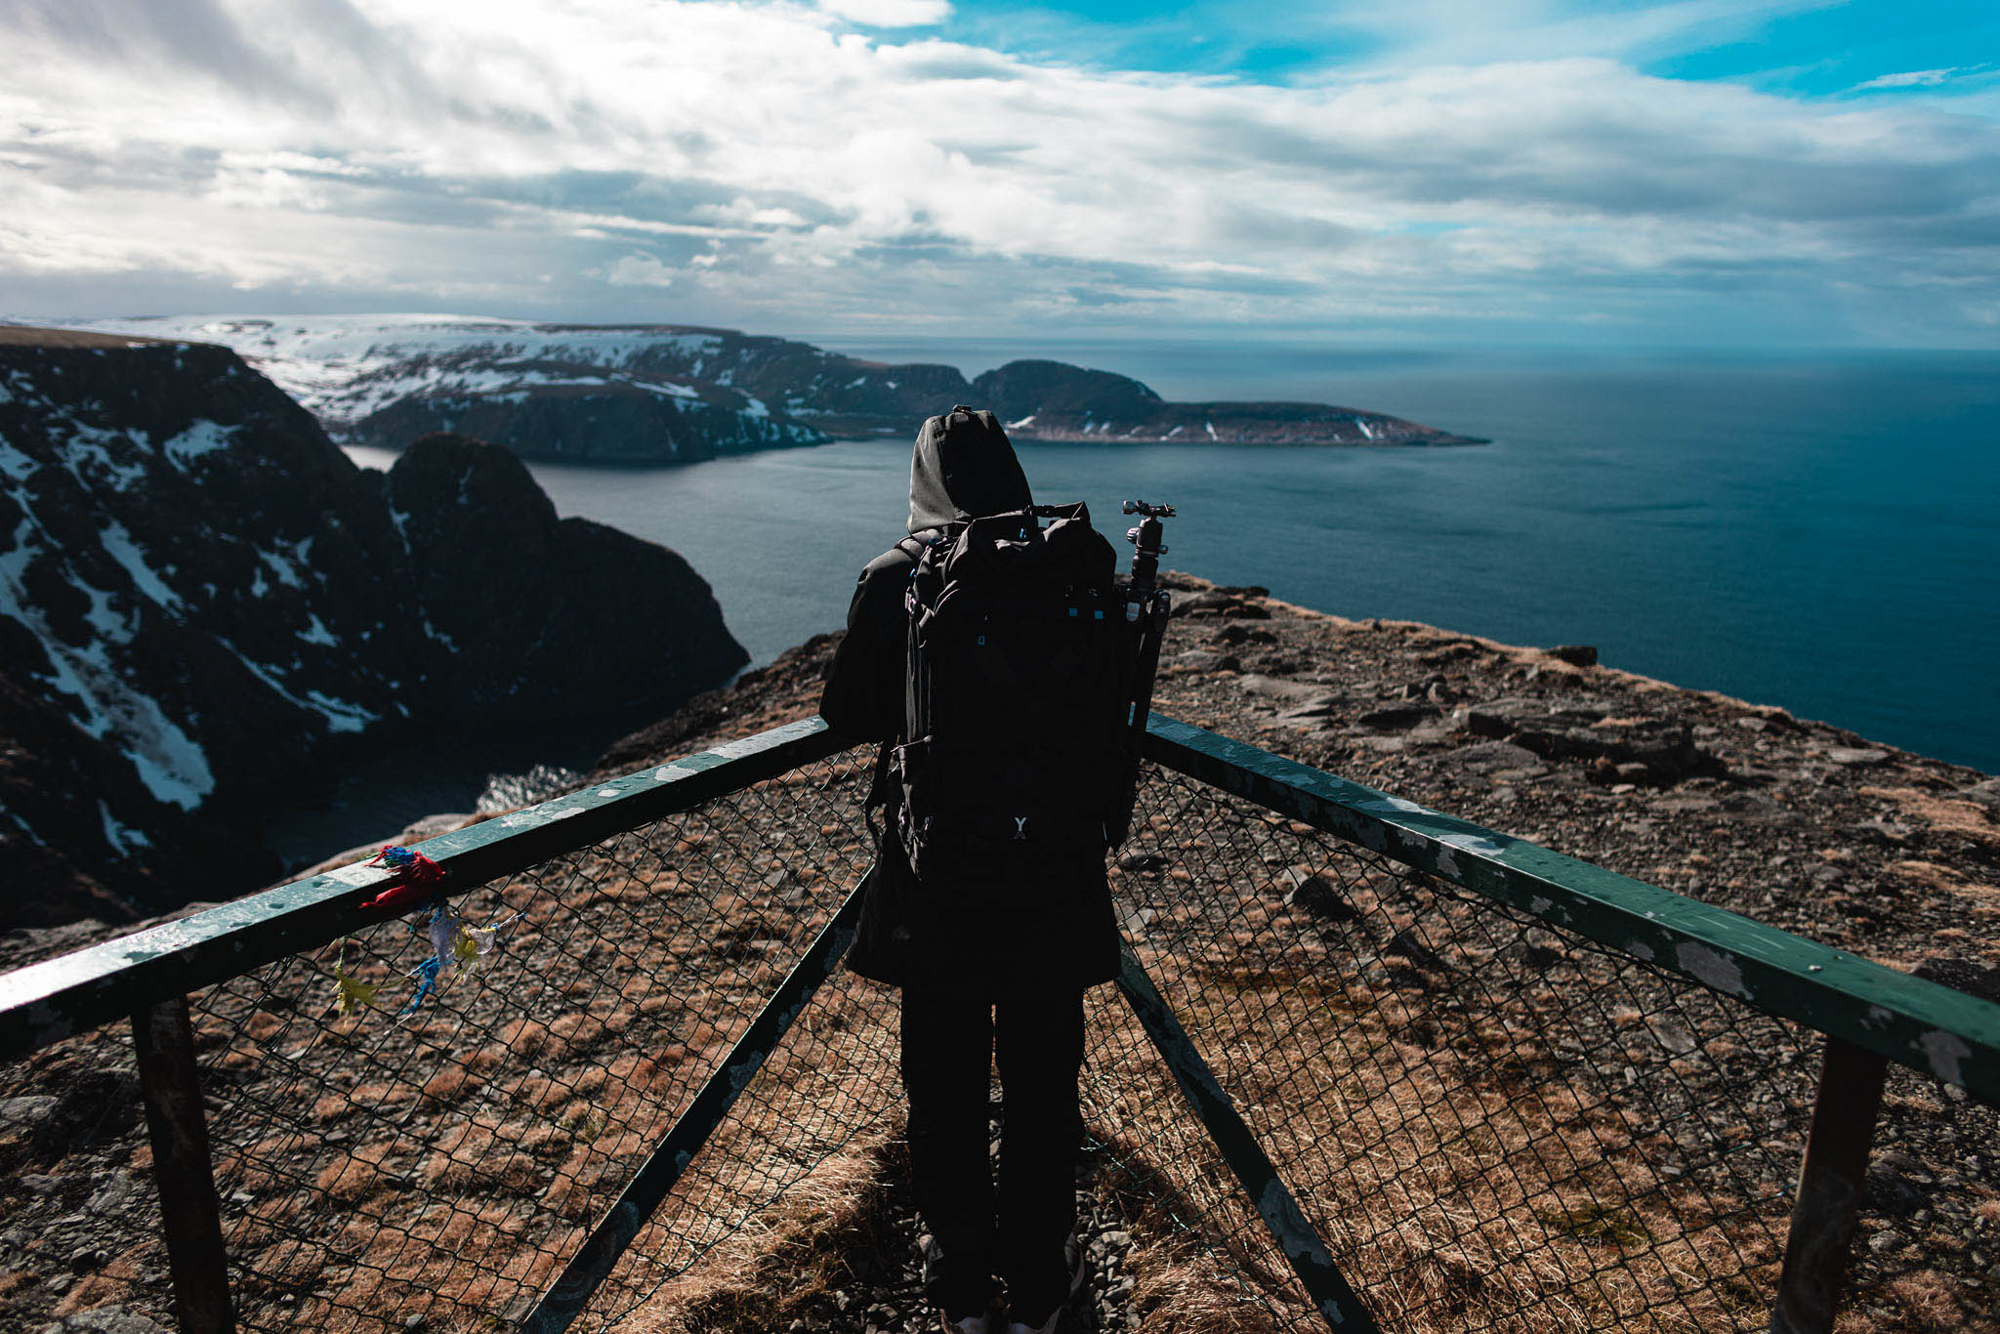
879,792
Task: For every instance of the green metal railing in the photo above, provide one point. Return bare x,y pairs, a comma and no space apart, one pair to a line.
1451,925
1905,1019
1444,1078
51,1000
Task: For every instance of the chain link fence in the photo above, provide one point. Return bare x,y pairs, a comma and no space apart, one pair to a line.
1493,1124
444,1165
382,1166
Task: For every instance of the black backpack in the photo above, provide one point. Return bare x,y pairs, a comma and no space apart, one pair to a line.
1025,662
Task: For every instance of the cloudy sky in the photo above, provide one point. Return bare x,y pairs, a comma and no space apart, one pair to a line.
1695,171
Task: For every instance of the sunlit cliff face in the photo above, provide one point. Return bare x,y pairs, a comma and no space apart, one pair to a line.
780,165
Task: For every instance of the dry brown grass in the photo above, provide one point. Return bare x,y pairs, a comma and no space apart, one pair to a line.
1943,815
1448,1208
788,1261
28,335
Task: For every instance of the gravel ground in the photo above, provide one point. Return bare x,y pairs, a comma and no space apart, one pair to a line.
1800,824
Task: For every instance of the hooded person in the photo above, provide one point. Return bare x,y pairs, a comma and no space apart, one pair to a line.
980,982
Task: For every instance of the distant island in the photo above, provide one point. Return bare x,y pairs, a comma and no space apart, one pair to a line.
1051,400
664,394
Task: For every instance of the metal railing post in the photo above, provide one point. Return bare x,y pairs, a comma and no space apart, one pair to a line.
189,1212
558,1308
1304,1249
1832,1180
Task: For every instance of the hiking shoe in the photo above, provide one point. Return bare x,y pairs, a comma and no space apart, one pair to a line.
1046,1327
1074,1258
963,1307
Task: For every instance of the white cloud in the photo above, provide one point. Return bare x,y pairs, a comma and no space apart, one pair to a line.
744,212
889,13
782,173
1916,78
637,270
1422,33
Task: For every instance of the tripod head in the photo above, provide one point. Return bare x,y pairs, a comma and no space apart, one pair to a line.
1146,545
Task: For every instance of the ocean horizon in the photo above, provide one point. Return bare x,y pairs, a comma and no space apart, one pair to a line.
1818,531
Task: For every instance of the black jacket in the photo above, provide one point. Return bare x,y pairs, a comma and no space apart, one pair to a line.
915,934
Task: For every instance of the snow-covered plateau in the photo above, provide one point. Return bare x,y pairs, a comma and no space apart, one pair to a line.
578,393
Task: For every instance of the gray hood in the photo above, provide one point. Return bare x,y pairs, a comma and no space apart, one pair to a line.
963,472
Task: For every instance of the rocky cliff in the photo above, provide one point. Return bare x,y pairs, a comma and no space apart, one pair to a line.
200,595
661,393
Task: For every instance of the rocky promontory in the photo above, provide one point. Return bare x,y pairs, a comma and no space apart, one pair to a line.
1051,400
201,596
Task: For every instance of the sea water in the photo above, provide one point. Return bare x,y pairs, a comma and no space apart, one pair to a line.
1816,532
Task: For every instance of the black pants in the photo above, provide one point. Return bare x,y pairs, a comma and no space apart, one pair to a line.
949,1043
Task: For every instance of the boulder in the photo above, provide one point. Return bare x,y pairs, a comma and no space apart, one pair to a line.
1204,660
1646,752
114,1318
1986,792
1395,717
1493,757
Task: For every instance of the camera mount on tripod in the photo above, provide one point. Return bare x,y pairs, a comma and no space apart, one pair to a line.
1147,547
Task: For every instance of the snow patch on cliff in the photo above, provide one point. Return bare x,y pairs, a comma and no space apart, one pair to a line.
341,715
198,441
123,840
172,765
118,544
281,565
91,455
104,704
109,623
668,389
102,701
15,465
